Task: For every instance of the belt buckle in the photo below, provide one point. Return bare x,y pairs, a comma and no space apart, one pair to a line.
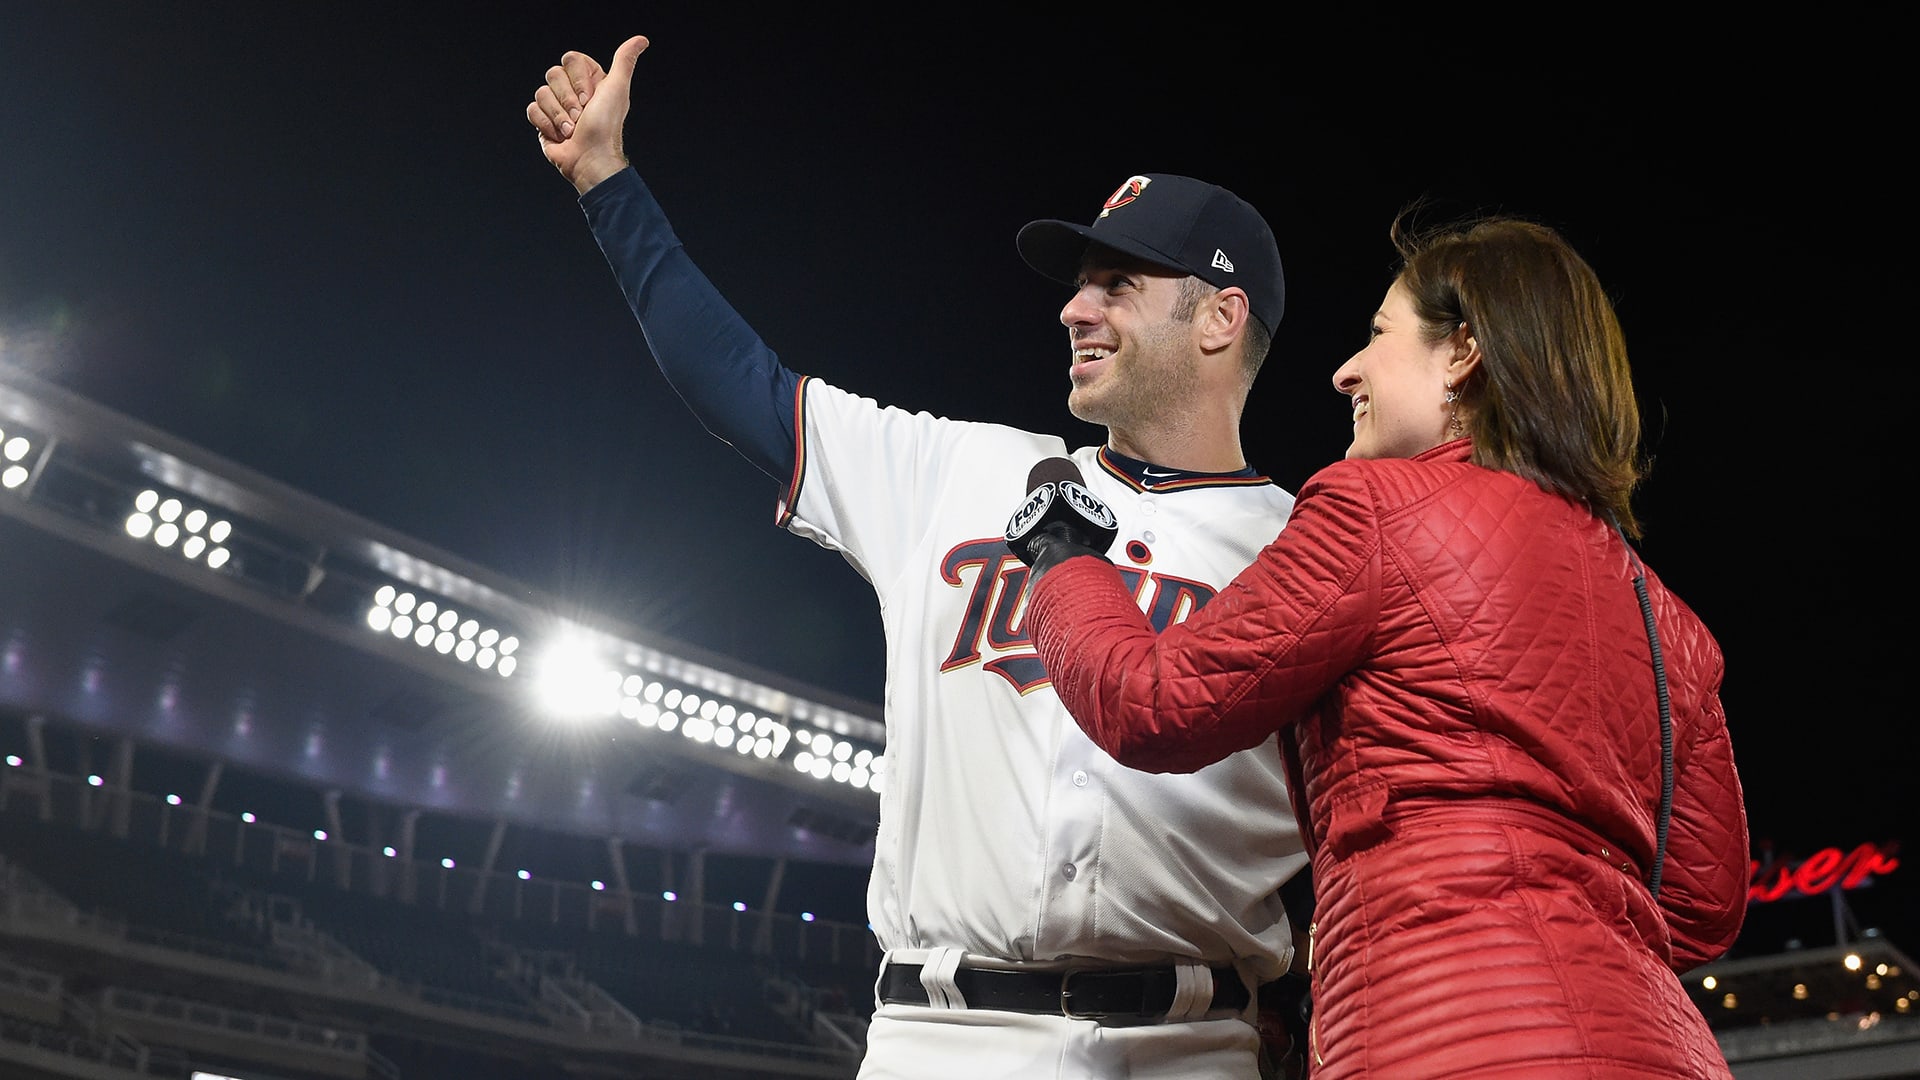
1066,996
1138,1016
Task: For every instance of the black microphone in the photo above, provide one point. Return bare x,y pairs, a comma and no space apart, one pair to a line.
1059,507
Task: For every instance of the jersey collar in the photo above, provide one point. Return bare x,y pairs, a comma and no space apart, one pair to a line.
1141,476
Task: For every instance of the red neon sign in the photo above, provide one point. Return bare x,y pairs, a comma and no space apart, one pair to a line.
1828,868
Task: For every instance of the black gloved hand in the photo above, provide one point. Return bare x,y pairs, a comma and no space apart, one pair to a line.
1059,519
1052,546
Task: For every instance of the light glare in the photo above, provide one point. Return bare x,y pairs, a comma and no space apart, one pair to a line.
571,681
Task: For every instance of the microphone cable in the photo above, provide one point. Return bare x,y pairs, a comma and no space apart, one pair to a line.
1666,715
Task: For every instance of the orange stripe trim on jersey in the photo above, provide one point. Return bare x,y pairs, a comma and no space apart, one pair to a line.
1189,484
791,498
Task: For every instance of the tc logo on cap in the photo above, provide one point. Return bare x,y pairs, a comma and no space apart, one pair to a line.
1126,193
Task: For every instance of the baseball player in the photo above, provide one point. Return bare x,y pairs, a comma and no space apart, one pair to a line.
1043,911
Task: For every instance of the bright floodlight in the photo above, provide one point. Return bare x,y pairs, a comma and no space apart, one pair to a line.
573,681
166,520
432,624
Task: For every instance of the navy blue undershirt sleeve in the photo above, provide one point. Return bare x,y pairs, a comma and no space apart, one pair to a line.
731,380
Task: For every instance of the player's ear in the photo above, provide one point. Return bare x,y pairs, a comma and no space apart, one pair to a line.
1222,317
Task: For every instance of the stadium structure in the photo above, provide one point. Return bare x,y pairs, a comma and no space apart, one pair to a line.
290,796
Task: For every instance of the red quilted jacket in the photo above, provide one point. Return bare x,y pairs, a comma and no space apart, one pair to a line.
1461,673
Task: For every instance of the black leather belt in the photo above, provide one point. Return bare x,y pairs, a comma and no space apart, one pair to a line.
1123,994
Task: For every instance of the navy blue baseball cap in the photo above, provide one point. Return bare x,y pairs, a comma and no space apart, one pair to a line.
1177,222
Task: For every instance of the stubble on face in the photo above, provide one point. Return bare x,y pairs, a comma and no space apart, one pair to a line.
1155,375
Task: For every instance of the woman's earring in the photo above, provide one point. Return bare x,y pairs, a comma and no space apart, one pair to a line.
1454,426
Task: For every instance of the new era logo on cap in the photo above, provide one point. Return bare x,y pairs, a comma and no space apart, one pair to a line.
1177,222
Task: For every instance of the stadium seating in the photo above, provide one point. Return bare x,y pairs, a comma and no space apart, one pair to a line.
718,993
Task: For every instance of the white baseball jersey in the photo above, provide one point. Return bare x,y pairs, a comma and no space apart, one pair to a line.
1003,830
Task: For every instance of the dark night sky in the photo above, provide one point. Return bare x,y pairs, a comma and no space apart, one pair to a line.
320,241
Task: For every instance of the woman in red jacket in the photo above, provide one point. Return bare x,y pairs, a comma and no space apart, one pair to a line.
1504,733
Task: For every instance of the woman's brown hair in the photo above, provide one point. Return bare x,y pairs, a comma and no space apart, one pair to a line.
1552,399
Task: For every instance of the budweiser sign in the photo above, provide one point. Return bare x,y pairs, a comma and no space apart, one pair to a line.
1826,869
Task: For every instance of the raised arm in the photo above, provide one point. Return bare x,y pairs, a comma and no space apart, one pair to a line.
732,381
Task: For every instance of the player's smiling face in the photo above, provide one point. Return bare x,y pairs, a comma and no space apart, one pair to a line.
1133,356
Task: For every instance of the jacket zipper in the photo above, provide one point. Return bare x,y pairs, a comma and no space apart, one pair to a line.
1313,1016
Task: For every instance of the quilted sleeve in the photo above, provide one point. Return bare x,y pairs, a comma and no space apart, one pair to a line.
1703,883
1255,658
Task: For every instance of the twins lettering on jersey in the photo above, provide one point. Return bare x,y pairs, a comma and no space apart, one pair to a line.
992,620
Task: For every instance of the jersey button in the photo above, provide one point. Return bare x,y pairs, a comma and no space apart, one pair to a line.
1067,871
1146,506
1147,536
1079,778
